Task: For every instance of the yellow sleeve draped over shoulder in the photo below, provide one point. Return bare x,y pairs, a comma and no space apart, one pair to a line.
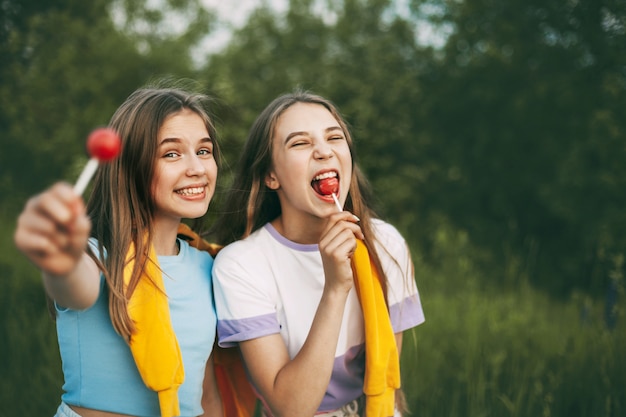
382,362
153,344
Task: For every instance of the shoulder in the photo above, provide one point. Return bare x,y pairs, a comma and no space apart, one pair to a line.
387,235
245,259
254,244
192,254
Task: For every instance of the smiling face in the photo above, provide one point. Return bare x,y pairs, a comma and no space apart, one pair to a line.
309,151
185,169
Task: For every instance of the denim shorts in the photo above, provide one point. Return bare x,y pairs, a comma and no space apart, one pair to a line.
64,410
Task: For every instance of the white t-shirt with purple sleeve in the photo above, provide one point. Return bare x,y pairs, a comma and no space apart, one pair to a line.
267,284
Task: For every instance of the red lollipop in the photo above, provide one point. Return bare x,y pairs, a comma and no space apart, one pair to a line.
329,186
103,145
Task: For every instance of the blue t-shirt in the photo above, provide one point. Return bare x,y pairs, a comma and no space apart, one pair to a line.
98,366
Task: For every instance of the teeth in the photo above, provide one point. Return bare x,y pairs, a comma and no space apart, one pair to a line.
325,175
191,191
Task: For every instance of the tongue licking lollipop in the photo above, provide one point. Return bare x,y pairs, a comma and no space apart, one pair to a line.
103,145
330,186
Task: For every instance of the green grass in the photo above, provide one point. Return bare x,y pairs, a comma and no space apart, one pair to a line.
516,354
483,350
509,350
29,356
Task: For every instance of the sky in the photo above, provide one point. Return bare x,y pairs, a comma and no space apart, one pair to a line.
237,11
233,14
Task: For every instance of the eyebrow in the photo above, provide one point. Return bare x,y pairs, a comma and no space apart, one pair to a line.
303,133
178,140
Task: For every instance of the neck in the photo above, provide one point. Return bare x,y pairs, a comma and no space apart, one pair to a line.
164,237
306,233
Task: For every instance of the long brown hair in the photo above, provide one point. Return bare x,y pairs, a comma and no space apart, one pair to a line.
250,203
121,205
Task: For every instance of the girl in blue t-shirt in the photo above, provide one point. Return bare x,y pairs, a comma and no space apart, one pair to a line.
133,302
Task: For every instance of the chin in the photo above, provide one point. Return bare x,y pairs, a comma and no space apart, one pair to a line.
194,214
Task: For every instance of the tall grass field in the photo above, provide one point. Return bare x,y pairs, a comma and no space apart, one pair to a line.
484,351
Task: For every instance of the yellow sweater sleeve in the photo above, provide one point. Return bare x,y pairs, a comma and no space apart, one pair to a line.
382,363
153,344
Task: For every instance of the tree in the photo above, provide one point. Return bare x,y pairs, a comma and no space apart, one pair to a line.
509,133
525,105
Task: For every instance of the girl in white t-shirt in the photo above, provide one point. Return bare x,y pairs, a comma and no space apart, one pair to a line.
284,284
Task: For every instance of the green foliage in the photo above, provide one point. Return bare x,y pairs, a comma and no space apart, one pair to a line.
492,355
523,112
487,352
29,354
511,132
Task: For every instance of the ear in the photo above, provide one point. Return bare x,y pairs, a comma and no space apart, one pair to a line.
271,181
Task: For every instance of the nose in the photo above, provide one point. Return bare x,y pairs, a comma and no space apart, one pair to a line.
322,150
195,166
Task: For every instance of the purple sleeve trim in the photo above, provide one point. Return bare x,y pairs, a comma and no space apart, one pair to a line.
231,332
406,314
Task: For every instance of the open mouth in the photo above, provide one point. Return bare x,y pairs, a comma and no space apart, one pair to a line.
326,184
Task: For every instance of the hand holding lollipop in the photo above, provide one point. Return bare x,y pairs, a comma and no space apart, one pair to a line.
103,145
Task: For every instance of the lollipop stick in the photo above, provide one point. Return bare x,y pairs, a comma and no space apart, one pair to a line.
85,176
338,205
337,202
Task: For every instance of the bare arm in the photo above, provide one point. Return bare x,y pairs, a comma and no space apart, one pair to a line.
304,379
52,231
401,405
399,343
296,387
211,400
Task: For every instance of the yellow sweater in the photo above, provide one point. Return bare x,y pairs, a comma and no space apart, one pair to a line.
382,364
153,344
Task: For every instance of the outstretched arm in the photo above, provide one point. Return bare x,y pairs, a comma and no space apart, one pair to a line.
52,231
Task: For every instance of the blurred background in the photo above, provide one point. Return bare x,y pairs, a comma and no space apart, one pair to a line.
493,132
